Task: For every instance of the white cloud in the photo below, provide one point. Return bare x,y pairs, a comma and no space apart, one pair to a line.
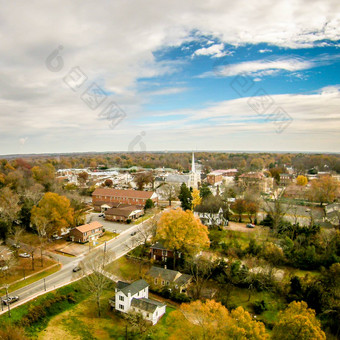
265,50
215,51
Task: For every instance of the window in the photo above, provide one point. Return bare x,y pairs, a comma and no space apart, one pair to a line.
156,281
121,307
147,315
167,283
163,282
85,234
164,253
121,298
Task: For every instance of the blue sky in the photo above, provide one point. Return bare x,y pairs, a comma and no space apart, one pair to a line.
194,75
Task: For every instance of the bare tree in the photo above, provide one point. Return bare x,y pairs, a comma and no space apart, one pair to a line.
276,210
169,191
201,270
96,278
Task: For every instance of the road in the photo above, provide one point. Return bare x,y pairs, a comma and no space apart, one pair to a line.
121,245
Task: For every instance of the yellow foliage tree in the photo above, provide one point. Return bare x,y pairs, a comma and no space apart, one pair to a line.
181,231
196,198
324,189
53,213
211,320
301,180
298,322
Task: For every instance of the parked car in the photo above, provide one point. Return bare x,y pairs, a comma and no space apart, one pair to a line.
250,225
133,233
101,215
76,269
57,237
10,299
26,255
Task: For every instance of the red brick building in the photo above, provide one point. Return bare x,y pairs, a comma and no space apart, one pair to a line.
124,213
103,196
87,232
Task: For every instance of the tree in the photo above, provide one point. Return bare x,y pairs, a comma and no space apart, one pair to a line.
185,197
240,207
298,322
169,192
53,213
211,320
181,231
205,191
148,204
196,198
324,189
44,175
138,324
301,180
276,211
95,279
108,183
143,178
83,177
9,206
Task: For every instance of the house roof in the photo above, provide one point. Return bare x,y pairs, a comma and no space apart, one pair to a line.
183,279
145,304
124,211
88,227
177,178
166,274
133,288
158,245
258,175
129,193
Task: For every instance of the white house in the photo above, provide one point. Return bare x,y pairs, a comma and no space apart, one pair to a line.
135,297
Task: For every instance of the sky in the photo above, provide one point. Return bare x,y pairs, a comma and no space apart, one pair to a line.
129,75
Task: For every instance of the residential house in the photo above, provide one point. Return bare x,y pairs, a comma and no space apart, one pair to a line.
160,253
135,297
286,179
211,219
87,232
173,279
124,213
102,196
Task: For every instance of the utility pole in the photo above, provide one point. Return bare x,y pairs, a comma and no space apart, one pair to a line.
9,308
24,273
45,285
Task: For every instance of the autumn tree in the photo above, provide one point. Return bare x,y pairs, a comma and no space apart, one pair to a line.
143,178
44,174
108,183
181,231
298,321
185,197
240,207
83,177
211,320
301,180
196,198
53,213
9,206
324,189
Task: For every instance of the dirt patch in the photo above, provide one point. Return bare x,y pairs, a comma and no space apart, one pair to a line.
241,227
74,249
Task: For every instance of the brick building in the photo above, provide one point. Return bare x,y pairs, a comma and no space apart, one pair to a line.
87,232
107,196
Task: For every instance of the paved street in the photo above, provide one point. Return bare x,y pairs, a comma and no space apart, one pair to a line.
120,246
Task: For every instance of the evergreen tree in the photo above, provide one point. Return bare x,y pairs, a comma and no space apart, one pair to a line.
185,197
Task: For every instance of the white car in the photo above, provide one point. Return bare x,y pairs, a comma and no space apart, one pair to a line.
26,255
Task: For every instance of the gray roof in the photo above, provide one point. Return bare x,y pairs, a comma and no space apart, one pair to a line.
133,288
183,279
147,305
158,245
177,179
166,274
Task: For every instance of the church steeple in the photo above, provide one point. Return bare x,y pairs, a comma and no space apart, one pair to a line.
193,168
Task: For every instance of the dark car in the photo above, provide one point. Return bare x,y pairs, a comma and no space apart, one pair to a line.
10,299
101,215
76,269
250,225
133,233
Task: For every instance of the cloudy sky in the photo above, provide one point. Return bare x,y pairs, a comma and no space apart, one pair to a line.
169,75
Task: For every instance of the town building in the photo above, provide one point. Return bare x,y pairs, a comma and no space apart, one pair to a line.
86,232
124,213
160,253
211,219
108,196
135,297
257,180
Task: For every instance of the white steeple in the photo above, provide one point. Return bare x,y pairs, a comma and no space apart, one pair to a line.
193,168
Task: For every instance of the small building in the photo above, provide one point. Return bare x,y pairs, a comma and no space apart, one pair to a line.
135,297
173,279
124,213
87,232
211,219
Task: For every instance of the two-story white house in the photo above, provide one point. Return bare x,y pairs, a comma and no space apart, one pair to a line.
135,297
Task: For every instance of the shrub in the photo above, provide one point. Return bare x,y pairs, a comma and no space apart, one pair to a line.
260,306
